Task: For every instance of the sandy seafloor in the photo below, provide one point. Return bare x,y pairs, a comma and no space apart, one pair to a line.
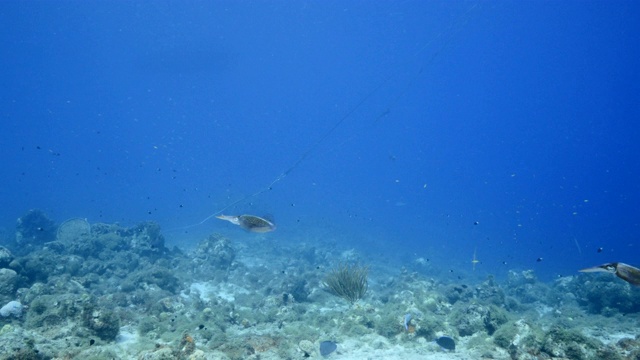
103,291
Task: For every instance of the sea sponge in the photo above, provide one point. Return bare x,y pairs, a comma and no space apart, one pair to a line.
12,308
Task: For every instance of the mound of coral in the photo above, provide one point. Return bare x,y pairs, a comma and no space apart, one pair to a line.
96,291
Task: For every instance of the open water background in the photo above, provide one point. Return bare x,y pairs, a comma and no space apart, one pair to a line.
505,128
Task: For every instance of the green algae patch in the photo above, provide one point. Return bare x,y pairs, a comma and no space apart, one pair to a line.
569,343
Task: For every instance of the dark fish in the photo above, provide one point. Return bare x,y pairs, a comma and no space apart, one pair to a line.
327,347
625,272
250,223
446,343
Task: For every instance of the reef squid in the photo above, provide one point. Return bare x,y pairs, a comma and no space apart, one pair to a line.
250,223
625,272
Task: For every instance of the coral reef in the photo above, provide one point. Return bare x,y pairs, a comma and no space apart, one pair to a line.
106,291
603,296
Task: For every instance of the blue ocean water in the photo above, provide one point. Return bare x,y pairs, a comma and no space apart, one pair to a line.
407,130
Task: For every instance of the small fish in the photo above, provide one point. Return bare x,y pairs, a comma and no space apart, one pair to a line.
475,260
446,343
327,347
625,272
250,223
407,321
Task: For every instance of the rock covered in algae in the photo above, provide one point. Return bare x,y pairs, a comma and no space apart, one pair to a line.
215,251
35,228
146,239
306,347
569,343
184,349
5,257
518,336
104,323
475,318
8,282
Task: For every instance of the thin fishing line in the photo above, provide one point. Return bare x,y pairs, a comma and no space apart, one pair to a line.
304,156
452,30
450,33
